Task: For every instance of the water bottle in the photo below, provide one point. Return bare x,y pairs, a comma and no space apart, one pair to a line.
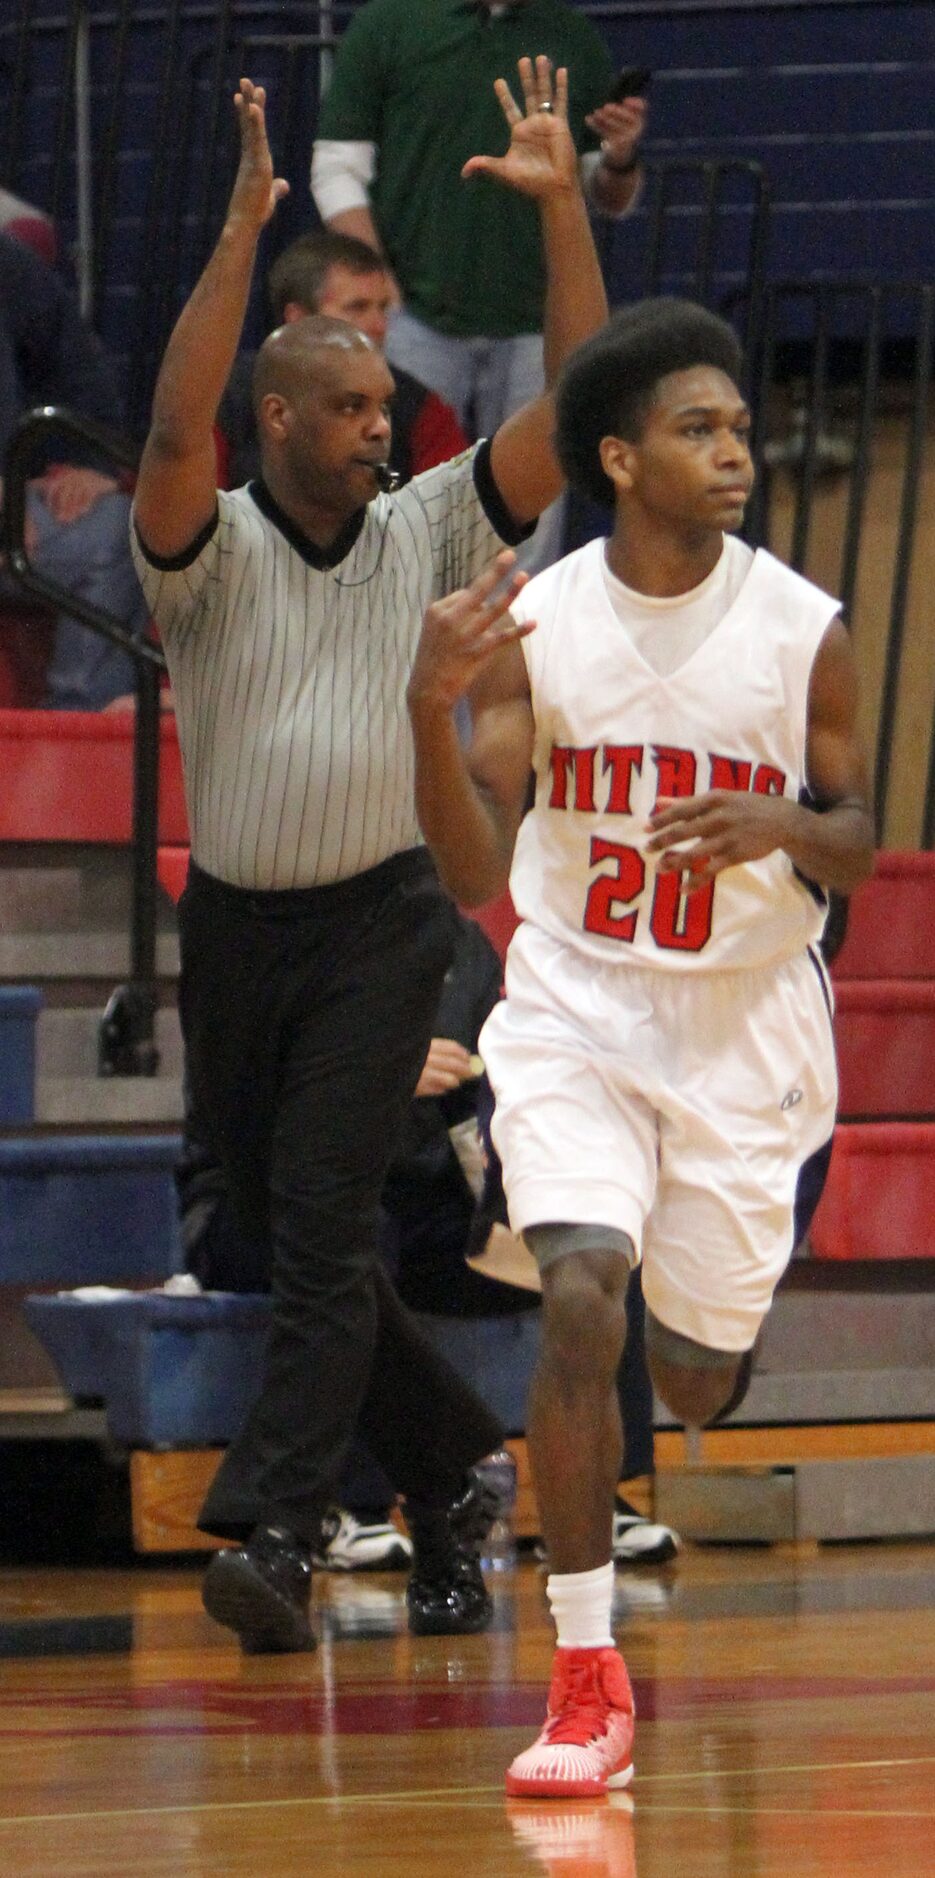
499,1549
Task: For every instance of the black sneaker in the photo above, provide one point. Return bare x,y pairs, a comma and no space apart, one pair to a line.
261,1590
446,1594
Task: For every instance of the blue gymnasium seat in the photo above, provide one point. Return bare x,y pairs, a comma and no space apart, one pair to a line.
19,1012
496,1355
88,1209
173,1372
179,1372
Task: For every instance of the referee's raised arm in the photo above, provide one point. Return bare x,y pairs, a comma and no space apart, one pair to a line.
542,162
176,492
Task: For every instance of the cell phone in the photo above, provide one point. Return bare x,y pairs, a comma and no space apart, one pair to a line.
633,82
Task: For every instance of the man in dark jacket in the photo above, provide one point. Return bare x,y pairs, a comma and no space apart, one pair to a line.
77,513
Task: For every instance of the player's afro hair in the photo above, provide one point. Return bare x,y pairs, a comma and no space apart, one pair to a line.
607,386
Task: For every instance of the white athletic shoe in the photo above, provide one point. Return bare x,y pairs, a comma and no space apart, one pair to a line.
347,1546
586,1746
638,1541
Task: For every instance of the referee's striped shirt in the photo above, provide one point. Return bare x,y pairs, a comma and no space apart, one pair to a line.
289,668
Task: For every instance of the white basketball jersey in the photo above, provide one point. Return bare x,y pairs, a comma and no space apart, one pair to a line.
613,736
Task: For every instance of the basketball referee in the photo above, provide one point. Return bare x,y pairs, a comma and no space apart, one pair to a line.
314,933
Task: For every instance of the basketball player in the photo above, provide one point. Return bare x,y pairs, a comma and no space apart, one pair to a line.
662,1063
314,933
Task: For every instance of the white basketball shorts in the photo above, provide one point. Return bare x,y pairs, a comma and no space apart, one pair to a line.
678,1107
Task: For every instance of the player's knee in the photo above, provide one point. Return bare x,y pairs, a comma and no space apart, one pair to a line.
694,1381
584,1311
693,1396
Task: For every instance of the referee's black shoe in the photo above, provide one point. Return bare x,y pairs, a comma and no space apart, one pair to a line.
446,1595
261,1591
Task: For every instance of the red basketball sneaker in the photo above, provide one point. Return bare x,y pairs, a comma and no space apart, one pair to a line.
586,1745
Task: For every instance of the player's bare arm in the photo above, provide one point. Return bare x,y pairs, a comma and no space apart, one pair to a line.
542,162
470,802
832,844
176,494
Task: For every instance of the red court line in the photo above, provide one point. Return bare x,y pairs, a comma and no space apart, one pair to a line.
206,1708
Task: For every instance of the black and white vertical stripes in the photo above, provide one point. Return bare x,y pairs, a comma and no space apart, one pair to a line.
289,675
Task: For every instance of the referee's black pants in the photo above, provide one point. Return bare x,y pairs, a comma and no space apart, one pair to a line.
307,1016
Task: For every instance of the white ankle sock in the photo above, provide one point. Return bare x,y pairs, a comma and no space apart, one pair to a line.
580,1603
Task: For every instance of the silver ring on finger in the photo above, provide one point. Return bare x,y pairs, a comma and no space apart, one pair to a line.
547,106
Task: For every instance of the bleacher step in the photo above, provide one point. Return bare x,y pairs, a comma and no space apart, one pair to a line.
837,1356
168,1488
887,1498
89,1100
810,1329
49,956
841,1395
67,1041
61,888
891,923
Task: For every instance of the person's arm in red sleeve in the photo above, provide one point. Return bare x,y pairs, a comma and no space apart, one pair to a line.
436,435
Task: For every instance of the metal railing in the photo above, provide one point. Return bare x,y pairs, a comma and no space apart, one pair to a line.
138,153
688,209
126,1038
824,342
115,125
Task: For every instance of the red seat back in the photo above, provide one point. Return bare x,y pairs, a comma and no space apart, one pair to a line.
879,1200
891,923
68,776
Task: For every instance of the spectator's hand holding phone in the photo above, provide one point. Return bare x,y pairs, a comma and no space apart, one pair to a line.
621,122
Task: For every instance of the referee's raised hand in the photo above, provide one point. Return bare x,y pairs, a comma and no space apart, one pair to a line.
461,632
256,190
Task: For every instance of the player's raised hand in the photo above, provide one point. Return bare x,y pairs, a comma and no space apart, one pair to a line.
541,160
256,190
461,632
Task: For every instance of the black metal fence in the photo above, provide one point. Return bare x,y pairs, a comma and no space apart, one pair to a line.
845,425
119,126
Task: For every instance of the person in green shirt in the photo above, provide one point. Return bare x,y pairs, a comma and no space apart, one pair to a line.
411,98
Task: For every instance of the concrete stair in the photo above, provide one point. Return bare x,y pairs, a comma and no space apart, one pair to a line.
69,1091
65,912
64,926
85,1160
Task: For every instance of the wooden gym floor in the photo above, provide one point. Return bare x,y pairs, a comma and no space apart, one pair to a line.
787,1704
